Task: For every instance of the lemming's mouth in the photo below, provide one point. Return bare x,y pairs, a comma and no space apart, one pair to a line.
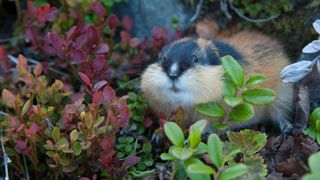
174,88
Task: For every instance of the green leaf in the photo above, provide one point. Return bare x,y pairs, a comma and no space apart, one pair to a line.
256,79
215,150
211,109
25,107
311,177
314,161
147,147
166,157
259,96
241,112
195,161
233,171
55,134
132,96
76,148
233,70
181,153
201,149
231,155
315,116
62,144
232,101
74,135
229,88
174,133
311,132
195,133
318,137
200,169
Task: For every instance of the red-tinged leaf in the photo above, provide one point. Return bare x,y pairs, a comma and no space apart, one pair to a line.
109,94
72,31
113,21
127,23
21,147
124,116
50,143
92,36
107,142
106,159
32,35
32,9
4,62
79,56
97,98
80,41
46,13
125,36
99,9
99,62
147,122
37,69
8,98
22,65
134,42
49,50
99,85
85,79
102,48
131,161
55,40
31,131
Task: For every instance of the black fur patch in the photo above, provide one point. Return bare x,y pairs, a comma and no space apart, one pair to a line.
226,49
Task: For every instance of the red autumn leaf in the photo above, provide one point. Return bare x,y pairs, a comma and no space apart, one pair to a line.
124,116
99,9
106,159
131,161
85,79
37,69
72,31
22,65
46,13
55,40
32,130
102,48
107,142
79,56
113,21
97,98
21,147
127,23
80,41
92,36
4,62
108,94
99,85
125,36
48,49
32,35
147,122
99,62
8,98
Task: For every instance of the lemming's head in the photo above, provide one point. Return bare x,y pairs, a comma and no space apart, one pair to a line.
187,72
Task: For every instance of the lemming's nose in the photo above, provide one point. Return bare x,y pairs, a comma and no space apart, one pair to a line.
173,71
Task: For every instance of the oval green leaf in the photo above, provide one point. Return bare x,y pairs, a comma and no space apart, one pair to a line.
74,135
232,101
55,134
241,112
181,153
200,169
256,79
211,109
233,70
215,150
195,133
315,116
166,157
233,171
174,133
260,96
25,107
76,148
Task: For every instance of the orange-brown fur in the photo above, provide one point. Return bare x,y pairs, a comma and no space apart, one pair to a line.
261,55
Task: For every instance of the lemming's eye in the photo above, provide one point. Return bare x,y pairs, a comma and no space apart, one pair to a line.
194,58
